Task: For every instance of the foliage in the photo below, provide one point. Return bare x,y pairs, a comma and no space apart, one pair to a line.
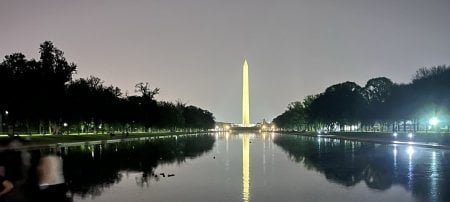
41,95
380,102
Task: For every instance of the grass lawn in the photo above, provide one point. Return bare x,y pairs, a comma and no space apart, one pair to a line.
52,139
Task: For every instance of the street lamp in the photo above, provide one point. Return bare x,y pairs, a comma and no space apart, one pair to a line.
410,135
7,123
227,127
433,121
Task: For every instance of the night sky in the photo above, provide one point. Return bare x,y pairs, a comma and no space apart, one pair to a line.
193,50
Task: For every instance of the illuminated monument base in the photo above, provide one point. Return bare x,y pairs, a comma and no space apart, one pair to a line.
246,129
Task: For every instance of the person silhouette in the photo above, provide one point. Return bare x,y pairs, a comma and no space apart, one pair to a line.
51,180
5,185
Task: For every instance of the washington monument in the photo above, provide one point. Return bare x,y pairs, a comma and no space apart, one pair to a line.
245,97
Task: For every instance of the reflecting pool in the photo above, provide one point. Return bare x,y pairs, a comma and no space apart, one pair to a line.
246,167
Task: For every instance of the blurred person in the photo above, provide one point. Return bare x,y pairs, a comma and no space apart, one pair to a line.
51,180
22,160
6,186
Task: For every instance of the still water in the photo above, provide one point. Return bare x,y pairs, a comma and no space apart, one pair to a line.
253,167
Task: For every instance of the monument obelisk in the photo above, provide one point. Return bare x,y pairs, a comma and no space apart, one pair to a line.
245,97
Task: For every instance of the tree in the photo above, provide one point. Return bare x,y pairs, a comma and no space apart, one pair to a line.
144,89
307,102
293,118
376,92
39,94
342,103
197,118
170,116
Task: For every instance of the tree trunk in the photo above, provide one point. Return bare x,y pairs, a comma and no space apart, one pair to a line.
415,125
404,125
49,127
1,123
417,128
40,127
393,127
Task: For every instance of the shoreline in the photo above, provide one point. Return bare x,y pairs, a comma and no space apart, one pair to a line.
436,141
380,138
51,141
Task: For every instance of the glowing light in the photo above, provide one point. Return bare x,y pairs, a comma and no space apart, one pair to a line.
410,135
434,177
395,156
433,121
65,124
245,167
410,151
395,134
245,97
273,127
227,127
6,112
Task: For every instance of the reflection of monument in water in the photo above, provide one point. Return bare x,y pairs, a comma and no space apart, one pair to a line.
245,167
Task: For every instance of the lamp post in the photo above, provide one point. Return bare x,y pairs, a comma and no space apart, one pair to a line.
1,122
434,121
10,129
6,112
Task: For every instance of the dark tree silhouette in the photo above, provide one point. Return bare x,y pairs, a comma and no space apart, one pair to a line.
41,97
380,105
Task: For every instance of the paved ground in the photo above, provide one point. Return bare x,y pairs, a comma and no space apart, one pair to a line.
438,141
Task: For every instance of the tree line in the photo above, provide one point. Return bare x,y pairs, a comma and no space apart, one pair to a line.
423,104
41,96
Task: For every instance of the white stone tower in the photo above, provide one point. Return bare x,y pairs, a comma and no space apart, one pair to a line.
245,97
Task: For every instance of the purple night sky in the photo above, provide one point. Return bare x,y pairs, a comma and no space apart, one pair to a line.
194,49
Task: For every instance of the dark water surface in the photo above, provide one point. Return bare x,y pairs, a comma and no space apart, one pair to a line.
253,167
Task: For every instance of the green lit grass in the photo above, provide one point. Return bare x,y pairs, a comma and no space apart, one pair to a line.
53,139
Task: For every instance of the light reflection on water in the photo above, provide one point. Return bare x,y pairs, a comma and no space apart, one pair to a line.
423,172
410,152
254,167
394,172
245,167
